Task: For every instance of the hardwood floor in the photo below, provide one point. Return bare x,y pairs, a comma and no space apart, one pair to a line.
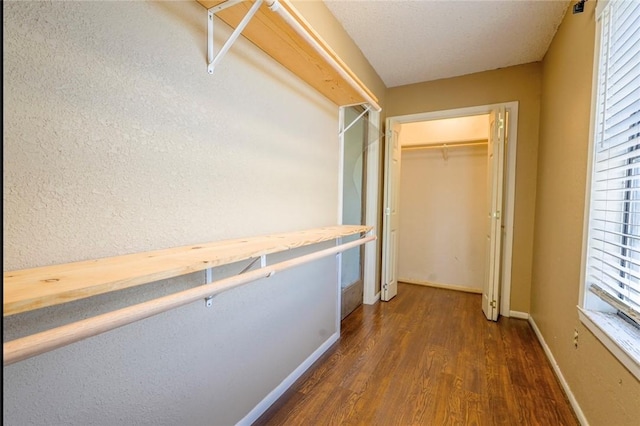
428,357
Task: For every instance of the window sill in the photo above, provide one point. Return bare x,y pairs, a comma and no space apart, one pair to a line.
621,338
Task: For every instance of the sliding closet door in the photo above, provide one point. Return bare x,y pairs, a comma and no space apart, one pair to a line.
353,204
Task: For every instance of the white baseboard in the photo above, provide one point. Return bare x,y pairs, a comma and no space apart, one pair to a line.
556,368
272,397
440,285
519,315
373,300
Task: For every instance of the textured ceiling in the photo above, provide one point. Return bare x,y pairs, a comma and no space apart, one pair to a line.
410,41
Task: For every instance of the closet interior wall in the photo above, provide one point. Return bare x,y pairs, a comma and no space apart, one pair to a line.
443,191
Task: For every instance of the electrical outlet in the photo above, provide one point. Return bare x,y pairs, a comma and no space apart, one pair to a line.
575,338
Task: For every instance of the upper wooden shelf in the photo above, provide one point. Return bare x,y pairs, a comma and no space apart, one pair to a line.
36,288
271,33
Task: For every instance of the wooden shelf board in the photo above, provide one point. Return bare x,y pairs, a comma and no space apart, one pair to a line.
272,34
30,289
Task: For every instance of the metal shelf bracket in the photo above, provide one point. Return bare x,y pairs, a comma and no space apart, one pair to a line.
344,130
214,58
208,279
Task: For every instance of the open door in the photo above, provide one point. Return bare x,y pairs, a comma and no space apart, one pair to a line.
391,213
495,177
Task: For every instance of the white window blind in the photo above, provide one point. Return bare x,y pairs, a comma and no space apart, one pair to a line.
613,262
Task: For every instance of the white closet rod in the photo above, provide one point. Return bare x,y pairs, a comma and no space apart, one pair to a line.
446,145
275,6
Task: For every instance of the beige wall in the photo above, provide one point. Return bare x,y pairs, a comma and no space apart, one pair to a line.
607,393
519,83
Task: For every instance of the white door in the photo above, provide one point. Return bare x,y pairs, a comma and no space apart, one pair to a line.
391,216
495,175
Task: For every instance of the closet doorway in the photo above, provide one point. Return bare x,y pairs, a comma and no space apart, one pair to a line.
448,208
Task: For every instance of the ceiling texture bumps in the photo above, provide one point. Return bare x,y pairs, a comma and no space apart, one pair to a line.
410,41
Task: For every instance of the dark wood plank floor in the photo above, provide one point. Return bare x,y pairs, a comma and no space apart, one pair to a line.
428,357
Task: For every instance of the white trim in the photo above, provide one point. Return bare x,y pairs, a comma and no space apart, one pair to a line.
590,304
556,368
607,336
510,207
512,108
583,295
340,207
371,211
338,319
442,285
340,164
600,6
519,315
273,396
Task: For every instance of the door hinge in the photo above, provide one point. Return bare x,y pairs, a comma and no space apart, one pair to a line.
493,304
496,214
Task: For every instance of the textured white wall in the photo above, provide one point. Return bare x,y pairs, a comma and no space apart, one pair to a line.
117,140
442,217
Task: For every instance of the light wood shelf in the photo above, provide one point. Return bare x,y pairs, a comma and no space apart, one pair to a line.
272,34
30,289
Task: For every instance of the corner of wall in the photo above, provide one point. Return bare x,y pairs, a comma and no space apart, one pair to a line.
601,390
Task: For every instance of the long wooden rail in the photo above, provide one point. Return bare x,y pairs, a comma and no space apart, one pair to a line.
36,288
300,49
36,344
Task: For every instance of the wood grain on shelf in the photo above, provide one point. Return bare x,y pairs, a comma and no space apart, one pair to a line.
48,340
36,288
273,35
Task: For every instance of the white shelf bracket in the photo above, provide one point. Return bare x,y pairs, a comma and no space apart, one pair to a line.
343,131
263,263
212,57
208,279
208,275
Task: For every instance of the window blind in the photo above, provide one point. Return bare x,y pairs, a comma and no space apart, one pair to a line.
613,263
